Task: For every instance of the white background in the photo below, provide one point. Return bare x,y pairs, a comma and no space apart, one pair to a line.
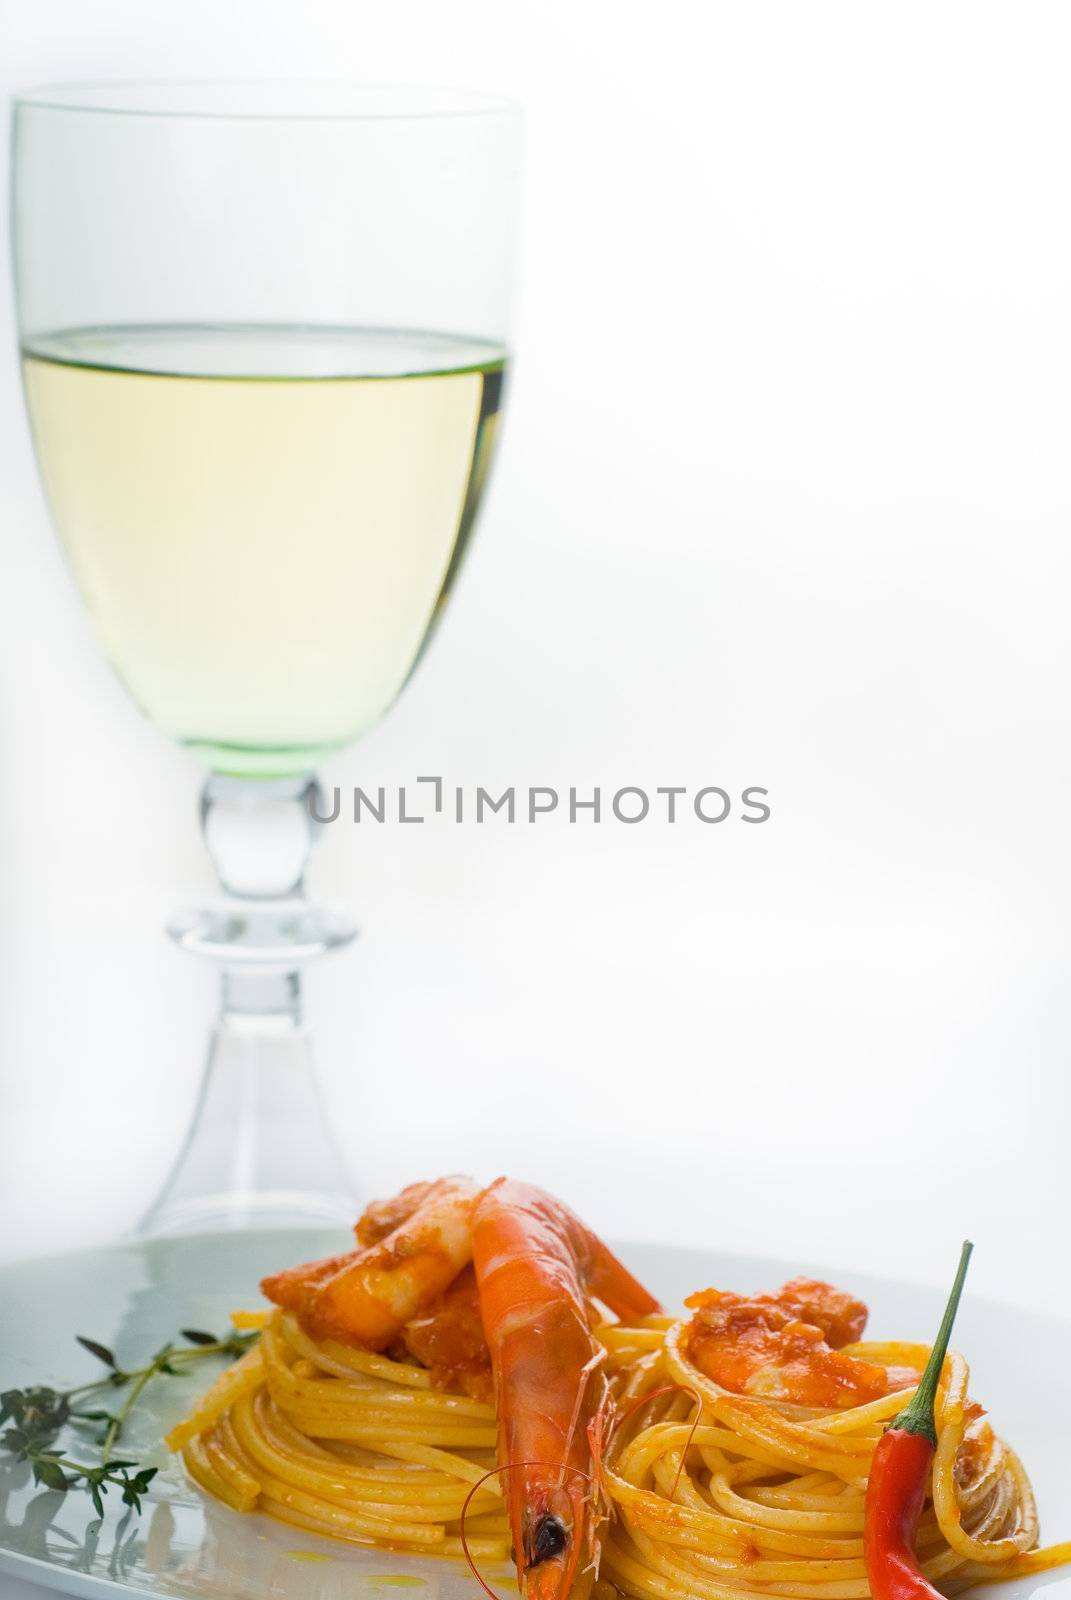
784,500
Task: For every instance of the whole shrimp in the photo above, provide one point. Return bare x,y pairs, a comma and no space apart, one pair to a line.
536,1266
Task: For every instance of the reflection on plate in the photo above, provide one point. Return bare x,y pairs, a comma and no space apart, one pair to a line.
137,1295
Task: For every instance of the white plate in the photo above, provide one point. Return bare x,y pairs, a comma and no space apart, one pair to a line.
135,1296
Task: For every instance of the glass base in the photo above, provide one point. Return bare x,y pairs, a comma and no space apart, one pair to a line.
236,1211
260,1151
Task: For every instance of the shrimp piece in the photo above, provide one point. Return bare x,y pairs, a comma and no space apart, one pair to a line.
366,1296
448,1339
840,1316
381,1217
536,1264
785,1346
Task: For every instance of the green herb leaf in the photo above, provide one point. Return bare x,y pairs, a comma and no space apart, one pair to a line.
11,1403
47,1470
101,1351
39,1413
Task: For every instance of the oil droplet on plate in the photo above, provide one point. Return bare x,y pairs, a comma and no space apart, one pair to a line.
305,1555
396,1580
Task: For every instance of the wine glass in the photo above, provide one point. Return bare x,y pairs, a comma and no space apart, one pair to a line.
263,333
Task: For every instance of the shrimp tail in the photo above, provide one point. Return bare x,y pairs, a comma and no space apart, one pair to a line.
610,1281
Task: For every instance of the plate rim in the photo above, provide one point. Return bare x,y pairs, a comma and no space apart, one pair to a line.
824,1270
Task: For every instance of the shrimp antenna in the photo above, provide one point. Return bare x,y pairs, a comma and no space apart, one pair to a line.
510,1466
586,1373
653,1394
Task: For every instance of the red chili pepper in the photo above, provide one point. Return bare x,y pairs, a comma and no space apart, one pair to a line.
899,1476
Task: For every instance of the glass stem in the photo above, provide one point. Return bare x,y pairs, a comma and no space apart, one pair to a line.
260,1151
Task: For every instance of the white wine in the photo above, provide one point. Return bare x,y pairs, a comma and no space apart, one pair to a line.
265,522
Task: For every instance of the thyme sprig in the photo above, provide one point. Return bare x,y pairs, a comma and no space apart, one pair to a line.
39,1414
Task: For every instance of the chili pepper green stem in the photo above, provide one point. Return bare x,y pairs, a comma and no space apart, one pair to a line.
918,1415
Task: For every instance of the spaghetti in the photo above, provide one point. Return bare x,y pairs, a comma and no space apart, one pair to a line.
349,1444
757,1497
751,1498
481,1376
